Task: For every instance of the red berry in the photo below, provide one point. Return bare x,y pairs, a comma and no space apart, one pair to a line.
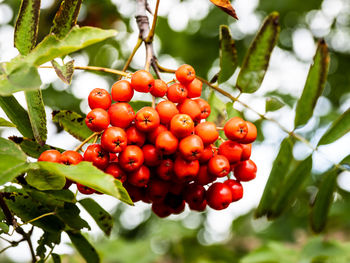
207,131
161,209
140,177
121,114
185,171
185,74
236,189
157,190
122,91
165,170
166,110
85,190
151,155
167,143
115,170
152,135
235,129
147,119
204,107
245,171
52,156
70,158
231,150
142,81
97,120
219,166
191,147
194,194
160,88
135,136
99,98
194,88
131,158
95,154
219,196
191,108
177,93
114,139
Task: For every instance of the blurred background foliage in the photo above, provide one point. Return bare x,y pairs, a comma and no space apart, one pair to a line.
186,238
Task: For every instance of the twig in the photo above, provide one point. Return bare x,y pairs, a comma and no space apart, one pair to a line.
127,64
37,218
12,221
151,32
86,140
92,68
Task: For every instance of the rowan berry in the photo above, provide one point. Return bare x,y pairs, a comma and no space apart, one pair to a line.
204,177
99,98
208,152
194,194
194,88
152,157
131,158
246,151
161,209
98,156
231,150
140,177
116,171
85,190
165,169
52,156
236,189
70,158
191,147
204,107
166,110
251,134
235,129
207,132
157,190
181,125
191,108
97,120
122,91
219,196
160,88
184,170
219,166
147,119
121,114
167,143
185,74
114,139
245,171
152,135
177,93
142,81
134,136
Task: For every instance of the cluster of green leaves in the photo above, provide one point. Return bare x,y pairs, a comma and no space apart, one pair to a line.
42,183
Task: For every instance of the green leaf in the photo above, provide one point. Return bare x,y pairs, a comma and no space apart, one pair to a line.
18,116
4,227
217,108
31,147
284,97
69,214
26,208
56,258
273,104
26,28
290,187
66,17
5,123
323,200
278,173
13,161
64,195
37,115
231,111
23,77
257,59
102,218
314,85
79,37
228,55
73,123
339,128
49,239
44,180
97,179
83,246
61,100
64,72
137,105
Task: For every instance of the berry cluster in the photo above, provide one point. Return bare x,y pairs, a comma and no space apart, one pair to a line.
167,155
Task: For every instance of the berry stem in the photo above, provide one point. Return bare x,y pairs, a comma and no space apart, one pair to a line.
151,32
136,47
37,218
220,128
153,102
95,134
92,68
